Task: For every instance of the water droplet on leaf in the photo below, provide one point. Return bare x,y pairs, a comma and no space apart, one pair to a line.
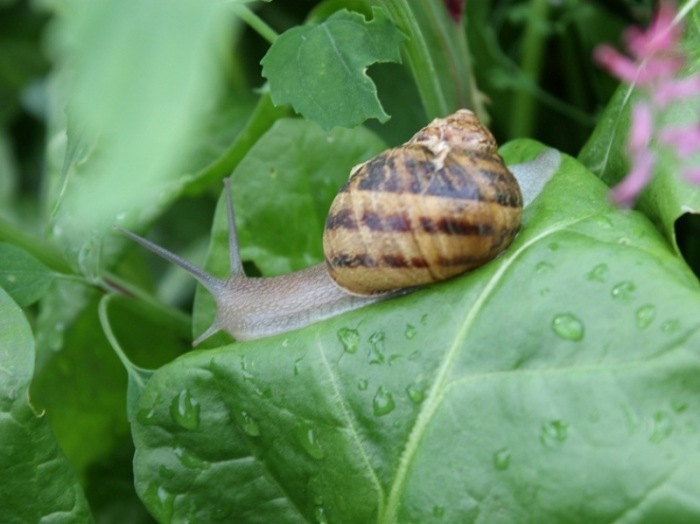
306,436
568,327
376,344
350,339
190,461
410,331
598,274
383,402
645,316
670,326
543,267
415,392
501,459
624,291
362,384
248,424
679,406
554,432
185,410
146,416
320,515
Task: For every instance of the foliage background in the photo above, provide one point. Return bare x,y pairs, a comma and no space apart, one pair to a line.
530,60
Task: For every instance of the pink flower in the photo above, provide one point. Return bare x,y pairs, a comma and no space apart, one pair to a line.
641,129
661,36
655,58
672,90
625,193
684,139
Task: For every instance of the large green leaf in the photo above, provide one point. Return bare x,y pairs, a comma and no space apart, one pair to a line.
138,84
321,69
24,277
559,383
37,484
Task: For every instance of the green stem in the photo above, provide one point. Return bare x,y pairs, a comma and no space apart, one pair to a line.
437,54
37,247
148,306
255,22
522,121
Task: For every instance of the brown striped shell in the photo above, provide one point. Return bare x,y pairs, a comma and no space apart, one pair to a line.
439,205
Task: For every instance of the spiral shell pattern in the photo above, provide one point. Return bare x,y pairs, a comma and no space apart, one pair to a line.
439,205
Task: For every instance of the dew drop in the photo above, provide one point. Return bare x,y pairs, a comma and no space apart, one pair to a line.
679,406
568,327
383,402
164,500
554,432
645,316
146,417
320,515
598,274
424,319
410,331
350,339
190,461
553,246
543,267
306,436
185,410
376,344
501,459
362,384
245,372
248,424
624,291
297,366
662,427
604,221
415,392
671,326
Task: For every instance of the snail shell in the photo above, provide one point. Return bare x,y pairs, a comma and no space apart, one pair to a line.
439,205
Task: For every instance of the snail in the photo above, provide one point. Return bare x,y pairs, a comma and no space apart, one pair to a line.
441,204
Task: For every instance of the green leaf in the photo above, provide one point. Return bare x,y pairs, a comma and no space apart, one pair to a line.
81,382
132,88
23,276
321,69
557,383
37,484
668,196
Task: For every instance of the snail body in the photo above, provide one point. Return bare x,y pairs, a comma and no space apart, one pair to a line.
437,206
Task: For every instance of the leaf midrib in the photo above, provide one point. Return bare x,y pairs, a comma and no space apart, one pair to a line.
435,395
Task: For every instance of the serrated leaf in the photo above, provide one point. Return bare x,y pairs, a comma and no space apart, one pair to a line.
557,383
37,484
22,275
321,69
